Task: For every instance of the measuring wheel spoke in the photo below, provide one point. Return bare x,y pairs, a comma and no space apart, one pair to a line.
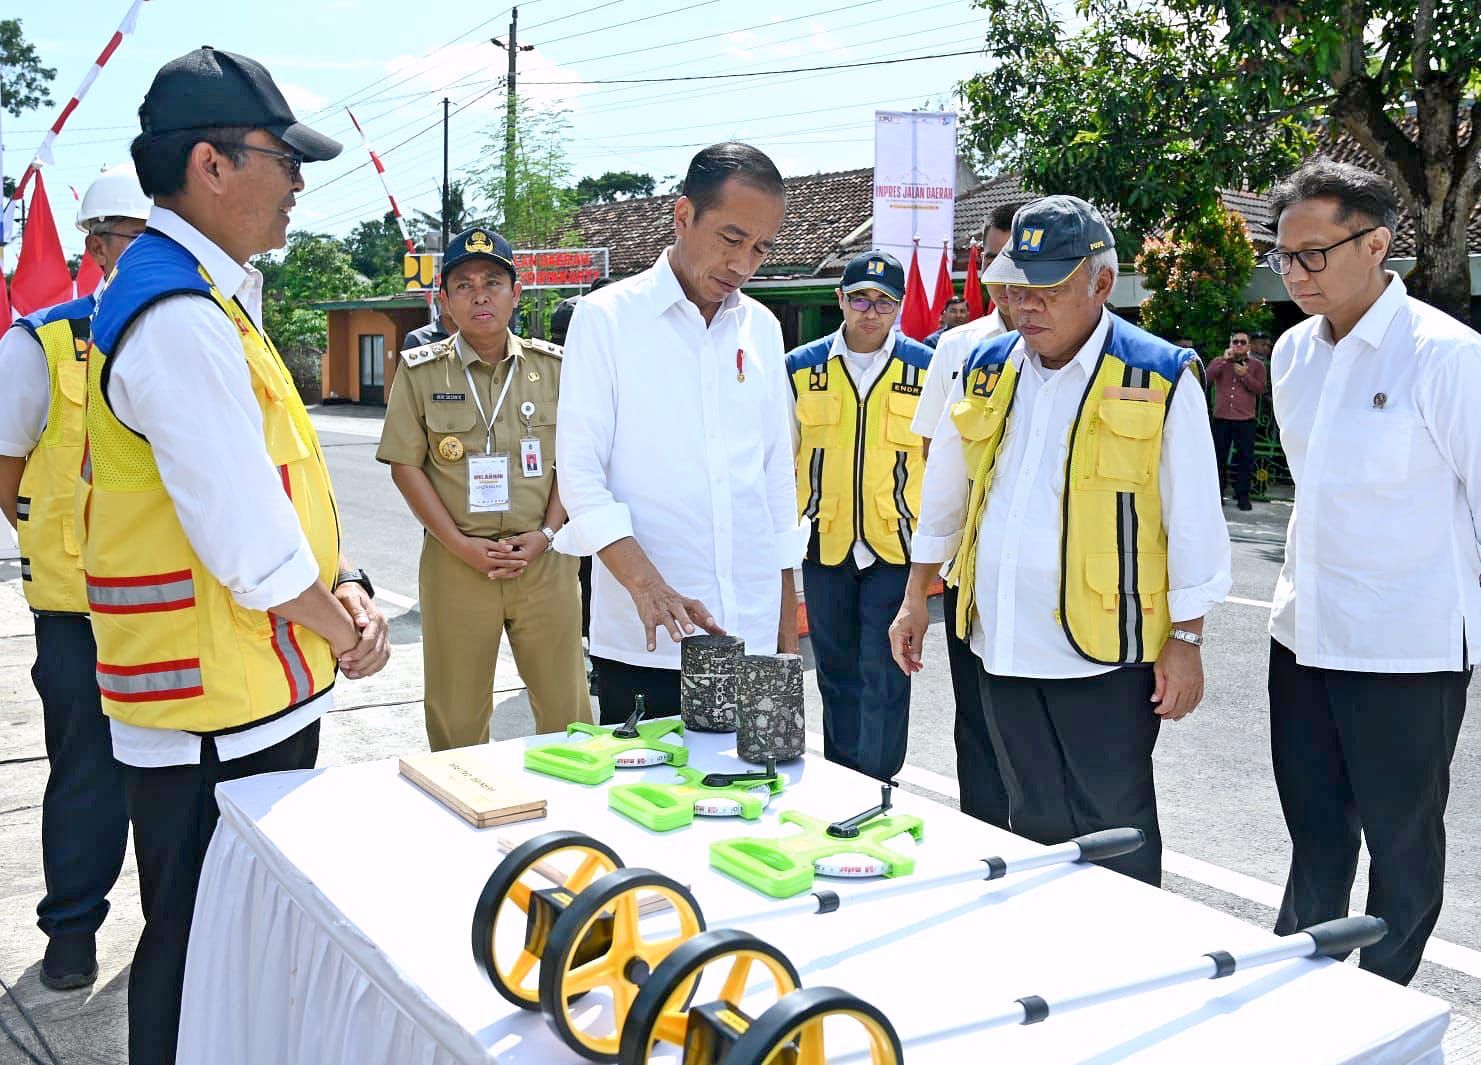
810,1044
671,1028
519,894
520,971
593,974
586,872
734,988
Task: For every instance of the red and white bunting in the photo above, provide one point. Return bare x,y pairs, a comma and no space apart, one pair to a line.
380,169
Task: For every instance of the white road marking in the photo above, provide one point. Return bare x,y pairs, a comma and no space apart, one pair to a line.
1261,603
395,599
1438,951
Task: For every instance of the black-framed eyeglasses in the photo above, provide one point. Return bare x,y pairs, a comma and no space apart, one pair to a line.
293,159
883,305
1312,260
115,233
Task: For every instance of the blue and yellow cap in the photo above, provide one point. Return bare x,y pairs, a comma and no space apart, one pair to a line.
1051,237
875,269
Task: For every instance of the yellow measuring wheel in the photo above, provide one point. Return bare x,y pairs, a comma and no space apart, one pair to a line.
531,886
598,943
661,1012
793,1032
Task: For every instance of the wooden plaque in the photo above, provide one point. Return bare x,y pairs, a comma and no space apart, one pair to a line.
465,782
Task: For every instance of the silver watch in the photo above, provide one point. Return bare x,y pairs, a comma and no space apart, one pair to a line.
549,535
1187,637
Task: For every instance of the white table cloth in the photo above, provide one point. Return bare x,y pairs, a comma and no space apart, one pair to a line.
334,914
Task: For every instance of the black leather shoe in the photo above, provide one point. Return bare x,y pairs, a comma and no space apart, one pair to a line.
70,962
1244,504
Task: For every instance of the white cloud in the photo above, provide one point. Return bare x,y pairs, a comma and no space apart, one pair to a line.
303,101
477,66
787,42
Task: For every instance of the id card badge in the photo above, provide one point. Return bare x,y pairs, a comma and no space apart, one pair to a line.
488,483
530,460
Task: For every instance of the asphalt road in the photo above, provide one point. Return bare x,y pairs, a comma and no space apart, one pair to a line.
1216,794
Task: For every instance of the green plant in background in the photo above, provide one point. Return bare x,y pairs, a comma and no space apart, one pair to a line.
1197,273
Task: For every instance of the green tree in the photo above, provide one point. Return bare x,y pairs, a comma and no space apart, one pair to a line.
545,204
314,267
23,80
1197,274
376,249
612,186
1152,107
461,213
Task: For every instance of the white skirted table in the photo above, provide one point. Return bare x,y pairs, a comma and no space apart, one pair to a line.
334,914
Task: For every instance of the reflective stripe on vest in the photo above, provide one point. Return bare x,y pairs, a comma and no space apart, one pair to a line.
151,681
859,467
141,595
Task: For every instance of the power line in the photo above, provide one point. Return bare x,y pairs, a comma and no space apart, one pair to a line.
760,73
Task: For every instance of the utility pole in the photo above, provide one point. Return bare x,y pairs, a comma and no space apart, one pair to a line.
445,189
510,111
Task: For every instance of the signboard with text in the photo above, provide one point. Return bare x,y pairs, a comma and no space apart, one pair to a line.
915,186
560,267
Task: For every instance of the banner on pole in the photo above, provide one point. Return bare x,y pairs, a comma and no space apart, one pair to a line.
915,184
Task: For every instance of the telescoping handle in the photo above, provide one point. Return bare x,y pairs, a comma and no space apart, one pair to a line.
1318,941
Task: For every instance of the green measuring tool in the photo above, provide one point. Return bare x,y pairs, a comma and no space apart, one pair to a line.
664,807
785,866
634,744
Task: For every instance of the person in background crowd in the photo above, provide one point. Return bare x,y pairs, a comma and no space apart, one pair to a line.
684,489
1238,381
954,314
84,822
1261,346
1379,599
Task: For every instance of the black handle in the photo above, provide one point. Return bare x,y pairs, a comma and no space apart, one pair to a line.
628,730
1346,934
1109,843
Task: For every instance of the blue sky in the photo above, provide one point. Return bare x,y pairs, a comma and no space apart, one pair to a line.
393,62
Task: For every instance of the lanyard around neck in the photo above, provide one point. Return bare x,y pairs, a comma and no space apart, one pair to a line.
489,419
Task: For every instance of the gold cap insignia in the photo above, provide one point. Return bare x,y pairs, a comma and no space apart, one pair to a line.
478,241
450,448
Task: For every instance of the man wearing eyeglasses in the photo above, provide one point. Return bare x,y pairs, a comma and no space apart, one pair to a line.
1380,596
859,472
222,608
1238,381
43,362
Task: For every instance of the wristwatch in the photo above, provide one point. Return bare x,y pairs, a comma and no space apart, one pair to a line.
549,536
356,576
1187,637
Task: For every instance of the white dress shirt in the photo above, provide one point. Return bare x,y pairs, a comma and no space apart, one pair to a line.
1017,632
941,388
863,369
181,381
657,439
26,397
1382,434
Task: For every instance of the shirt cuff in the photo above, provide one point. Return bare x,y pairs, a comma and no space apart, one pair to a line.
1186,604
288,581
595,530
934,548
791,544
14,449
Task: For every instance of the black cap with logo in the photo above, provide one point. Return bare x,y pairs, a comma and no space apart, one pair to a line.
209,88
478,243
1051,237
875,269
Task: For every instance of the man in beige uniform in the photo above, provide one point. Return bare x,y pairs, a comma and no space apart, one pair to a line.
470,438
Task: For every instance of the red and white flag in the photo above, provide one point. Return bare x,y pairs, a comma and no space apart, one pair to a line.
89,275
972,286
41,276
915,315
944,290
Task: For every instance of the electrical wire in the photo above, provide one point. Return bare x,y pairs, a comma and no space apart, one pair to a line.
51,1054
759,73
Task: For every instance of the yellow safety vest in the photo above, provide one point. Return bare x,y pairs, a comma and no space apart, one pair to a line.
51,561
175,650
1113,548
859,464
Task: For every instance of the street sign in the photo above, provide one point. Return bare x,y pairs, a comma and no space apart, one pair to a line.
560,267
420,271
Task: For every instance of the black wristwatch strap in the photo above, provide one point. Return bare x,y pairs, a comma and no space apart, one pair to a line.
356,576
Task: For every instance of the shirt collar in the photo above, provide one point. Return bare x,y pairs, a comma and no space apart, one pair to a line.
1374,323
667,291
840,346
226,274
513,349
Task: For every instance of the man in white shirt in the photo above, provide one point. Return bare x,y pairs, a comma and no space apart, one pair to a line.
1073,489
1376,396
674,443
210,540
43,362
982,792
859,472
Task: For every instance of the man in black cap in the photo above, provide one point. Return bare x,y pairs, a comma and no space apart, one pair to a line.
1072,490
859,473
221,605
470,439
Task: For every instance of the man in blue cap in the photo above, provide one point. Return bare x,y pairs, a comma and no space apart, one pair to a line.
1072,490
860,468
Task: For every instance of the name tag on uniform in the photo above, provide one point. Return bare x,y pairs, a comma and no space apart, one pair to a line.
530,460
1141,395
449,397
909,390
488,483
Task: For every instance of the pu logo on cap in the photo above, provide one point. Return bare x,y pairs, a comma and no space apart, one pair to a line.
478,241
1030,239
875,268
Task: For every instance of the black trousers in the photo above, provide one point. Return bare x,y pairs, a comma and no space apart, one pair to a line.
84,822
983,793
1078,758
1241,437
866,697
1365,754
619,685
173,811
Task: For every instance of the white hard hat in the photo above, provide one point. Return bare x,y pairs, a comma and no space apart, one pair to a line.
113,194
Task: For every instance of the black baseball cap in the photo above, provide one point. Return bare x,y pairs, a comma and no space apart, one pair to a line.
207,88
875,269
1051,237
478,243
